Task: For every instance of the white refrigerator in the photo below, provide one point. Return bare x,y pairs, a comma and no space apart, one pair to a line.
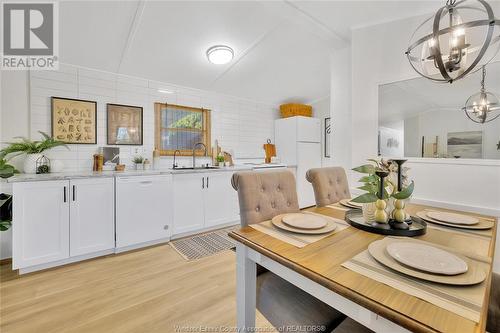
298,144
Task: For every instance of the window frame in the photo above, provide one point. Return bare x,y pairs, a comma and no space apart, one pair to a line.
206,129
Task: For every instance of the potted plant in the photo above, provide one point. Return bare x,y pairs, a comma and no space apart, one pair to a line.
138,162
371,184
5,211
220,160
32,149
6,170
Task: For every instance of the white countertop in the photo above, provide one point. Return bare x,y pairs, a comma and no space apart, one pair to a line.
23,177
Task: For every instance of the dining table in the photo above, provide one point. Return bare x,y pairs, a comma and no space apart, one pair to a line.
318,270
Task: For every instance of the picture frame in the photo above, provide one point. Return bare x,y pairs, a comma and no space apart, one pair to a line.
74,121
327,136
124,124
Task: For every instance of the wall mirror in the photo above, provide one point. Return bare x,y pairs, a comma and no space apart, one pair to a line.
420,118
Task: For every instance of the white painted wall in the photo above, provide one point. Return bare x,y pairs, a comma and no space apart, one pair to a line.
340,108
378,57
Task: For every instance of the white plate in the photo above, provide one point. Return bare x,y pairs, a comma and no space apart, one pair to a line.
329,227
426,258
350,204
482,225
453,218
304,221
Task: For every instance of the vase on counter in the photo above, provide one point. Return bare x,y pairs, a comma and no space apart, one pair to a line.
139,166
29,165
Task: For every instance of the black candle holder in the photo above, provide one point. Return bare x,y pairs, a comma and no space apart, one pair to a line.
400,173
393,222
381,175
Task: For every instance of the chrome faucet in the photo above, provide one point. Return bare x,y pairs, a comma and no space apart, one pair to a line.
175,153
194,153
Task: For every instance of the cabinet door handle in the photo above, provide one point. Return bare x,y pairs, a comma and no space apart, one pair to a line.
64,193
74,192
202,182
146,182
207,181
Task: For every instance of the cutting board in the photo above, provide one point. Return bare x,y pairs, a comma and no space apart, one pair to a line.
270,150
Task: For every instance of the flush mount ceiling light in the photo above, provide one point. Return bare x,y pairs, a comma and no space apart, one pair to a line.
483,106
220,54
461,37
165,91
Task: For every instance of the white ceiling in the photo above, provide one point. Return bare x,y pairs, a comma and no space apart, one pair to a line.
404,99
282,49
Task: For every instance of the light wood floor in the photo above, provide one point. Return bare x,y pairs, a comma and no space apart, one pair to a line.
152,290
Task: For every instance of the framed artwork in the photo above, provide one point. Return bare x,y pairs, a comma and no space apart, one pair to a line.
124,124
74,120
465,144
328,136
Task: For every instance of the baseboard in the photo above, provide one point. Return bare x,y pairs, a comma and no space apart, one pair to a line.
5,261
204,230
65,261
141,245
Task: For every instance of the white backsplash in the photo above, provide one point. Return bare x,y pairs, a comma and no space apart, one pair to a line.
241,126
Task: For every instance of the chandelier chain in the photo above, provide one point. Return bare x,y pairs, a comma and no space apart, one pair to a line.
483,77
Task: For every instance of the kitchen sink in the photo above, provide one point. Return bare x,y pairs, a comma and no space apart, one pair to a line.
196,168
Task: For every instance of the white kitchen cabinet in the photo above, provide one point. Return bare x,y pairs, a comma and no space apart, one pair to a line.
143,209
92,227
220,199
40,222
188,201
203,201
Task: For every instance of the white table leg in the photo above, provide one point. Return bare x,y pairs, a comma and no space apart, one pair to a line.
245,289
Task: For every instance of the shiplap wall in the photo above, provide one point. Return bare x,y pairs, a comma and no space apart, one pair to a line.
240,125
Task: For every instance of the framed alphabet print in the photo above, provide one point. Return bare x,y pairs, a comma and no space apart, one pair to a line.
124,124
327,136
74,120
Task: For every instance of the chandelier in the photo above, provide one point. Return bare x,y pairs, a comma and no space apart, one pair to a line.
461,37
483,106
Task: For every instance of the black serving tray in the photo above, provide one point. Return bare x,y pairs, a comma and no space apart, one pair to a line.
354,217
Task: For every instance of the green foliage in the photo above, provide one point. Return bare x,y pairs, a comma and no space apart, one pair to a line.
192,120
405,192
6,170
365,198
367,168
6,223
220,158
27,146
371,182
138,160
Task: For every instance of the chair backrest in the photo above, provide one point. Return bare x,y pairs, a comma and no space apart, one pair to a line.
263,195
493,322
330,185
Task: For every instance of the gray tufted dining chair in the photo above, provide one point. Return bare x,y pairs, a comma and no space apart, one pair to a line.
263,195
330,185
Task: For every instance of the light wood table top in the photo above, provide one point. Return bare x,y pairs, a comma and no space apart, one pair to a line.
321,262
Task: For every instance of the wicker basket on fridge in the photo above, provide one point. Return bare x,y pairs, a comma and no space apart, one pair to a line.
291,110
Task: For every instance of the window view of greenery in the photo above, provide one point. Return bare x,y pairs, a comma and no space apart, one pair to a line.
180,128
